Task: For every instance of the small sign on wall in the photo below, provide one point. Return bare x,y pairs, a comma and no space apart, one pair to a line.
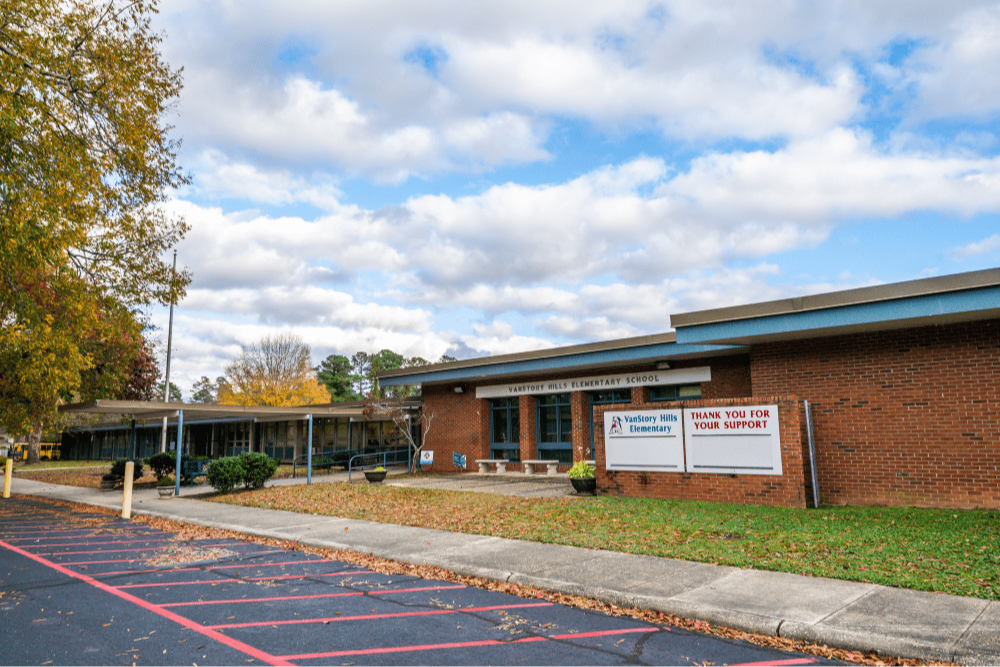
426,457
644,440
743,439
458,459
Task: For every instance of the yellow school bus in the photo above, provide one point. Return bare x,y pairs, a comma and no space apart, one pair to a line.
47,451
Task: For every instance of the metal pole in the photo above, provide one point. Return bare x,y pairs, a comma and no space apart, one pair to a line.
309,456
170,341
810,429
177,469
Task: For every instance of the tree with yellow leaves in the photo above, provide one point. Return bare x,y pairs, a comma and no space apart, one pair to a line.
85,164
276,371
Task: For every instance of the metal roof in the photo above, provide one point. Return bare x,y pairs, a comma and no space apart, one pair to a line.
609,354
852,297
144,410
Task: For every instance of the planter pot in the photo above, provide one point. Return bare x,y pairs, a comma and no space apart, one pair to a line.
584,485
375,476
165,491
108,484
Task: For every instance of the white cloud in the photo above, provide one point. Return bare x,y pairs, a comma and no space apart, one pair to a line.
499,338
983,247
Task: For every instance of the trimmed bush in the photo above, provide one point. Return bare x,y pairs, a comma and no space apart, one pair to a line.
257,468
225,473
162,464
118,470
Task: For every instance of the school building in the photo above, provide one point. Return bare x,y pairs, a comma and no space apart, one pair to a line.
875,396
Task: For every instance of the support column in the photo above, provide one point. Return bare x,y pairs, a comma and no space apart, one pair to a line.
579,405
529,430
309,449
177,468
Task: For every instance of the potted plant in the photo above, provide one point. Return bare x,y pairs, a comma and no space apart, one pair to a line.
583,478
376,475
109,482
165,486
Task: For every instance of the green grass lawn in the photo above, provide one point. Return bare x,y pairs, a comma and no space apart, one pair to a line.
55,465
949,551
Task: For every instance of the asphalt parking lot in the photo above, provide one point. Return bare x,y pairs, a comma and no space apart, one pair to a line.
89,588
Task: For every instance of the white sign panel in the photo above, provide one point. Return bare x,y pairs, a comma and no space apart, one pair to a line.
599,382
426,457
743,440
644,440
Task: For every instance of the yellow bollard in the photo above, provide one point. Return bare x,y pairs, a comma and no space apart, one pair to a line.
6,478
127,499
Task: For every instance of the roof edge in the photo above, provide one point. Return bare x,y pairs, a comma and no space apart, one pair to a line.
852,297
549,353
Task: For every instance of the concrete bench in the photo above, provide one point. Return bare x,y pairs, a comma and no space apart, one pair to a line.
529,466
484,465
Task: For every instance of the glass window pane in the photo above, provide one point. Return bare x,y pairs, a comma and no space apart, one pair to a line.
515,424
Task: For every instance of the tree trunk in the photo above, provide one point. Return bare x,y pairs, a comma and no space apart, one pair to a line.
34,440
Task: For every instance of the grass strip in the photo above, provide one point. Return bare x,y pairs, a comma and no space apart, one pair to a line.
948,551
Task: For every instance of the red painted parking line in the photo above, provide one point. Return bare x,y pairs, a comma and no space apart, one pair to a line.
135,560
63,537
792,661
283,597
169,615
306,597
235,580
114,551
414,590
602,633
209,568
435,647
368,617
77,544
402,649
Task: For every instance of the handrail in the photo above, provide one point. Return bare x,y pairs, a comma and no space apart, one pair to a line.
384,455
325,459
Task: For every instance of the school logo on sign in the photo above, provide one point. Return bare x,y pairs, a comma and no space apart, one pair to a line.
616,426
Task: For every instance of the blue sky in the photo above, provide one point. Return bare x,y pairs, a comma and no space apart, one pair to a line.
490,177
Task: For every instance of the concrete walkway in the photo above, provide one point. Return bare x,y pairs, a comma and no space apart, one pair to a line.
863,617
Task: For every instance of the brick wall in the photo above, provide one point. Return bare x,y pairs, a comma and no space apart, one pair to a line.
907,418
787,489
461,422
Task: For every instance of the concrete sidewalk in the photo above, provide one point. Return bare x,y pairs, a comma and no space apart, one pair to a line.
863,617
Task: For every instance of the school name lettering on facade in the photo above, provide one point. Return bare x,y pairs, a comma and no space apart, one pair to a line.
598,383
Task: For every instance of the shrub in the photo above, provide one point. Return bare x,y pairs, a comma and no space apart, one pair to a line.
166,480
118,470
162,464
3,461
581,470
257,468
225,473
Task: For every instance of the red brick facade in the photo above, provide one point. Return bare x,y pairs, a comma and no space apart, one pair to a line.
788,489
461,422
907,418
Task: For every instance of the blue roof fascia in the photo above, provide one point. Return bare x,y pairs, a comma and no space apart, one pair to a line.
948,303
628,354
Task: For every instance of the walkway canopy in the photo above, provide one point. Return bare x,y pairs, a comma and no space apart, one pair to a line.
153,410
145,410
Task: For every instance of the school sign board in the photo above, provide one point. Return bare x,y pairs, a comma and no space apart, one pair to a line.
742,440
644,440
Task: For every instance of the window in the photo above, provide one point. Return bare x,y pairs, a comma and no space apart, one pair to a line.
687,392
605,398
555,428
505,429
